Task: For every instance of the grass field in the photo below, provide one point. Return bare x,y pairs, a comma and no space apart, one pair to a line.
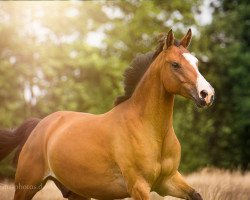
212,185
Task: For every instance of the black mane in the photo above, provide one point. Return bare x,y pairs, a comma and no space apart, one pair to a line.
137,69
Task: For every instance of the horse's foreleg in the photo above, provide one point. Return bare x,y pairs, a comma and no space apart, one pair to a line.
177,187
139,189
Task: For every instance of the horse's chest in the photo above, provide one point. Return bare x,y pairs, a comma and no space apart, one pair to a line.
159,162
170,157
147,162
148,158
154,169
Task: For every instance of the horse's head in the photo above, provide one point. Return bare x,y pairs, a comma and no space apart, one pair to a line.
179,71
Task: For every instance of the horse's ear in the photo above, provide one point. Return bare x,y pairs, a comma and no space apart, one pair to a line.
169,40
185,41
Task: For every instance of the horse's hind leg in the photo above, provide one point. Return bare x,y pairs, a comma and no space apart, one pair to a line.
26,188
29,175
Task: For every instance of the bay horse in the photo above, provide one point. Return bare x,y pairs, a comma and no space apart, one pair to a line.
127,152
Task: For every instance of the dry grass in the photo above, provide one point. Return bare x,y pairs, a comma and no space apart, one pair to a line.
49,192
212,184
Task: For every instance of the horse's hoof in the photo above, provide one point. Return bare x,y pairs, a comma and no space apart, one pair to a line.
195,196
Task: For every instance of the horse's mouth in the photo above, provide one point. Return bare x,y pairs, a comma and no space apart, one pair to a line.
200,103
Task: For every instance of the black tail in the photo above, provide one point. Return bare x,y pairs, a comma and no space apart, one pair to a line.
9,139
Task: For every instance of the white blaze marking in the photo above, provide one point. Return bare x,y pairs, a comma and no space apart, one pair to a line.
201,83
192,60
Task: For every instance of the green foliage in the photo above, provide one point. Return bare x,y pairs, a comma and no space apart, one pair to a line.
219,136
47,65
229,51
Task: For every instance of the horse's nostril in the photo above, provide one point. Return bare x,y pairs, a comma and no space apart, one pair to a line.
204,94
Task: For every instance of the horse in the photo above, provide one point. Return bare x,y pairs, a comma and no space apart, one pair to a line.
128,151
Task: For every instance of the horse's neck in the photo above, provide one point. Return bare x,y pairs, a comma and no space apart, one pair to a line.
152,103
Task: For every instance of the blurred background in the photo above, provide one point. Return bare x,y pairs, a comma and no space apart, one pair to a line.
70,55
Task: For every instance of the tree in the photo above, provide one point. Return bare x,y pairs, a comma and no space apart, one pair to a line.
229,61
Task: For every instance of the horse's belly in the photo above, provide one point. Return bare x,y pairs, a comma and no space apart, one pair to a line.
93,184
100,188
86,168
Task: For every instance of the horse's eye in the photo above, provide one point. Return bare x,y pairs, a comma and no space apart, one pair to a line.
175,65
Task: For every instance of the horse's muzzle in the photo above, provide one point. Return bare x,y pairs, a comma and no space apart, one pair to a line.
203,100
